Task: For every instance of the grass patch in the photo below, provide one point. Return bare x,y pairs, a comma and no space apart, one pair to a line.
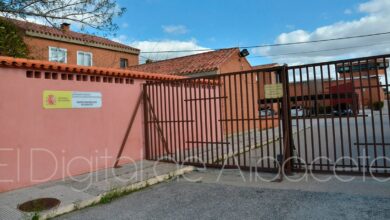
35,216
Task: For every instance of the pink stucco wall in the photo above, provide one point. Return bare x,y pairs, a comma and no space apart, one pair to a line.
37,145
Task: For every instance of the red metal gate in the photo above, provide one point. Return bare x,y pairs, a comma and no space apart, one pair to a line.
326,117
222,120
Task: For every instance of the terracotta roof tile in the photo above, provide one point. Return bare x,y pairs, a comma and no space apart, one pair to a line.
265,66
203,62
50,66
37,28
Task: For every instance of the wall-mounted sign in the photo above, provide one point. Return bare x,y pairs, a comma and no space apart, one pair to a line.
71,99
273,91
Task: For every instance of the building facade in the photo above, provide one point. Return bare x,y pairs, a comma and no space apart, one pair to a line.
63,45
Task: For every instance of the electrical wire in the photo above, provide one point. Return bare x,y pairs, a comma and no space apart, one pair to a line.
274,45
316,51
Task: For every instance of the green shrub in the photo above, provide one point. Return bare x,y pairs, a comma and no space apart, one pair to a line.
11,40
377,105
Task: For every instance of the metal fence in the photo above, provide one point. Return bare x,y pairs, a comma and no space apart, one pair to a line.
327,117
342,109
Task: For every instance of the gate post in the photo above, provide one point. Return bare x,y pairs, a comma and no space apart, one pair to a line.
146,122
286,120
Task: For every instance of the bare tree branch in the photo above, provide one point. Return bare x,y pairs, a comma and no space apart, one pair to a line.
97,14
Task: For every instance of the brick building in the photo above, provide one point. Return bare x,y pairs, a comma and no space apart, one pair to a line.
66,46
358,86
221,62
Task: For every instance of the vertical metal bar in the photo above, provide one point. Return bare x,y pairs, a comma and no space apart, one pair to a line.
281,106
379,88
248,121
332,116
196,88
218,135
178,133
348,125
325,114
153,124
184,114
340,119
372,113
231,116
227,98
317,115
146,121
237,120
166,117
242,121
185,111
387,98
160,118
257,113
304,118
172,119
210,98
254,116
325,118
194,134
311,110
273,121
355,102
266,123
200,86
205,100
364,114
286,120
387,88
296,114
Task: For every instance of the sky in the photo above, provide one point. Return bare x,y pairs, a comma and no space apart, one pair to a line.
160,25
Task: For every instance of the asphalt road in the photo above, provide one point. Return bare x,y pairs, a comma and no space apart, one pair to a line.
241,200
352,137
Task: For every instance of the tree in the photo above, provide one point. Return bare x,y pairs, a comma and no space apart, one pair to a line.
97,14
11,40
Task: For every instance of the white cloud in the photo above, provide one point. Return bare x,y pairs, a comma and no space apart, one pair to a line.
175,29
166,45
375,20
120,39
348,11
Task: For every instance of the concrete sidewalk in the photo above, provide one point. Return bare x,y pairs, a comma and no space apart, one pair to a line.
89,189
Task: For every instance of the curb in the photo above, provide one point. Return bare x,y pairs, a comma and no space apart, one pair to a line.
125,189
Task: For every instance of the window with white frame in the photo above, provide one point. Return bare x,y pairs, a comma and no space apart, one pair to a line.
84,58
57,54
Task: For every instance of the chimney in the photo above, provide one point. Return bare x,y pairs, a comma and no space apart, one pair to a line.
65,26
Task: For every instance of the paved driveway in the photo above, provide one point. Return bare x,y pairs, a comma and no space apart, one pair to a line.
347,136
228,196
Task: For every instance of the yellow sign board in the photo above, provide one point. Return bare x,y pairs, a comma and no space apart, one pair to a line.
57,99
71,99
273,91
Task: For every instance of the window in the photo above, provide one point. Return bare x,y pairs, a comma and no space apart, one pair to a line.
84,58
57,54
124,63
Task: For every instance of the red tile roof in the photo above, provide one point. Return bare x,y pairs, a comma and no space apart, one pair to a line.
197,63
51,66
265,66
51,31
